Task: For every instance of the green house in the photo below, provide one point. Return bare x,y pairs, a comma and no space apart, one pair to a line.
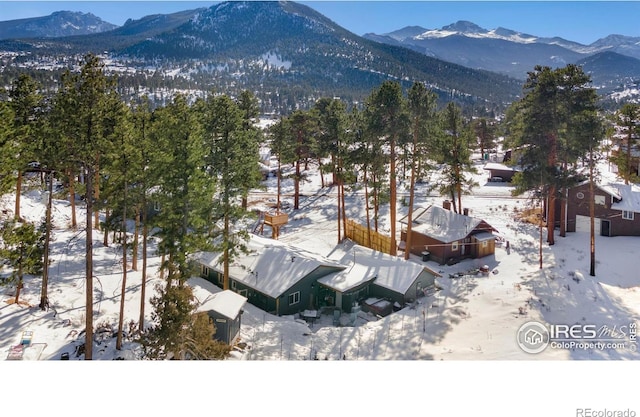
372,274
275,277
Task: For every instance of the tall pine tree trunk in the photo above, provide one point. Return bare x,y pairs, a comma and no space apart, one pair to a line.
18,194
20,282
376,205
143,285
392,203
134,247
124,270
339,214
96,186
563,213
88,344
366,205
44,295
408,241
225,260
592,215
344,210
72,199
105,234
551,209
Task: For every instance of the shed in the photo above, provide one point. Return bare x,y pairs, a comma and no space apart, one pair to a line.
225,309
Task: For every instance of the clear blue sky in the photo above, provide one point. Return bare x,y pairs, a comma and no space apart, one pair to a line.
580,21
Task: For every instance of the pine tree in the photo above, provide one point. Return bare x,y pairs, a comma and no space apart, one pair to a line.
7,177
283,149
455,155
332,141
544,124
232,160
22,249
26,102
303,127
185,190
179,332
628,121
148,178
387,118
484,132
80,116
422,108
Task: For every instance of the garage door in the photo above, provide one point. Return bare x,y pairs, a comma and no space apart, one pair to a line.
583,224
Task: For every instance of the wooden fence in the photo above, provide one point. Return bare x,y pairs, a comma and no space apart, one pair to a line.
359,234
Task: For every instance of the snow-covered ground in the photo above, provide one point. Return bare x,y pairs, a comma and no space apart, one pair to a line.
471,320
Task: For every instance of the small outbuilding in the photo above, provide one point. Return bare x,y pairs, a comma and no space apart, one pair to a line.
502,171
225,309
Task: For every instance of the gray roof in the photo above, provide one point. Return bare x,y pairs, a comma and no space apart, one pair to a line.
271,267
227,303
364,265
442,224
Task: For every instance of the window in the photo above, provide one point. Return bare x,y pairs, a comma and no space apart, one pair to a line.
294,298
627,215
485,244
580,195
454,246
205,271
599,199
233,285
156,206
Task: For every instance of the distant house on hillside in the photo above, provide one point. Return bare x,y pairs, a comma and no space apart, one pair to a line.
370,273
274,277
448,237
225,309
617,209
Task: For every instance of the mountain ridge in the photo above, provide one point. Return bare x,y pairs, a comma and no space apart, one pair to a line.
282,48
58,24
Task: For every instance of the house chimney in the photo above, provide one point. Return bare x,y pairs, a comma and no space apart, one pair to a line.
465,211
446,204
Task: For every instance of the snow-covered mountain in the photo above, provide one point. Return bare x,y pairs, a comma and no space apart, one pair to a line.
58,24
502,50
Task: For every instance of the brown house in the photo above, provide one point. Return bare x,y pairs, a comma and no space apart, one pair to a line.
617,209
446,237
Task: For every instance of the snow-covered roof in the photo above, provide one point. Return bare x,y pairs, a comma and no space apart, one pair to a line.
271,267
366,264
497,166
226,302
480,237
442,224
629,196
